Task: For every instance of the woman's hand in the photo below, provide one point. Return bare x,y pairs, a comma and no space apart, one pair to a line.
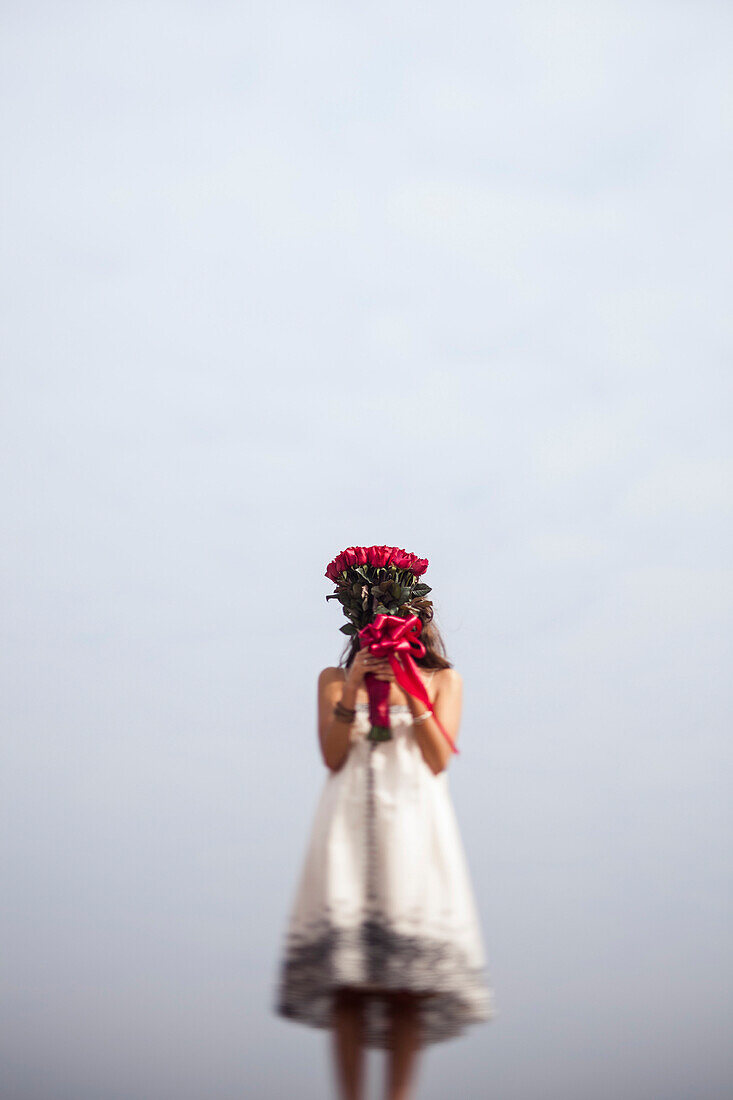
364,662
382,669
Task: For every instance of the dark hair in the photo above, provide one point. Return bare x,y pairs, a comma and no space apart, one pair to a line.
435,651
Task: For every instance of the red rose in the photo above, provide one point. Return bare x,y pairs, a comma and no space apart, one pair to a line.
377,555
393,557
336,567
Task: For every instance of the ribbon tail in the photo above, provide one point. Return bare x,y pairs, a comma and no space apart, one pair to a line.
409,681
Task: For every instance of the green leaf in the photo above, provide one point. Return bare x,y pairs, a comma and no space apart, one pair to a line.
421,590
348,628
379,733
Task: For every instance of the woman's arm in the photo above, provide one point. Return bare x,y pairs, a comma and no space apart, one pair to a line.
447,706
334,734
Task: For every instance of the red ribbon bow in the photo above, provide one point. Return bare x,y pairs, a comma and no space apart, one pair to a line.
392,636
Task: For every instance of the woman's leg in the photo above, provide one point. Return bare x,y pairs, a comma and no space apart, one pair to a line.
406,1042
348,1023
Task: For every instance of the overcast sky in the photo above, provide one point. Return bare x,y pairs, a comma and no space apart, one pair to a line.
282,278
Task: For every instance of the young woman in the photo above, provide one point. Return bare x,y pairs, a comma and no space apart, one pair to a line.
383,943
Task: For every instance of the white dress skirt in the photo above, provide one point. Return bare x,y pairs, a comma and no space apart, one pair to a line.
384,900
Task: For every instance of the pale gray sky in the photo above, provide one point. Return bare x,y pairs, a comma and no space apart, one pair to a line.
284,278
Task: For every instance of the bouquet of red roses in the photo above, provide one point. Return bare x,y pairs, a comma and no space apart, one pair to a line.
385,604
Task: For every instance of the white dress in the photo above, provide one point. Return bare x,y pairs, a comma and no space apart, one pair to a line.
384,898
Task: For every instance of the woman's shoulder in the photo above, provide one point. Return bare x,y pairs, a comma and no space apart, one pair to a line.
449,675
447,679
333,672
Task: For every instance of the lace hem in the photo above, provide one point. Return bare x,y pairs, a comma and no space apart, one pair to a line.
374,956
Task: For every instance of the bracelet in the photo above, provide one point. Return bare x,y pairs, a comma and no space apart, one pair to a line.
422,717
346,714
